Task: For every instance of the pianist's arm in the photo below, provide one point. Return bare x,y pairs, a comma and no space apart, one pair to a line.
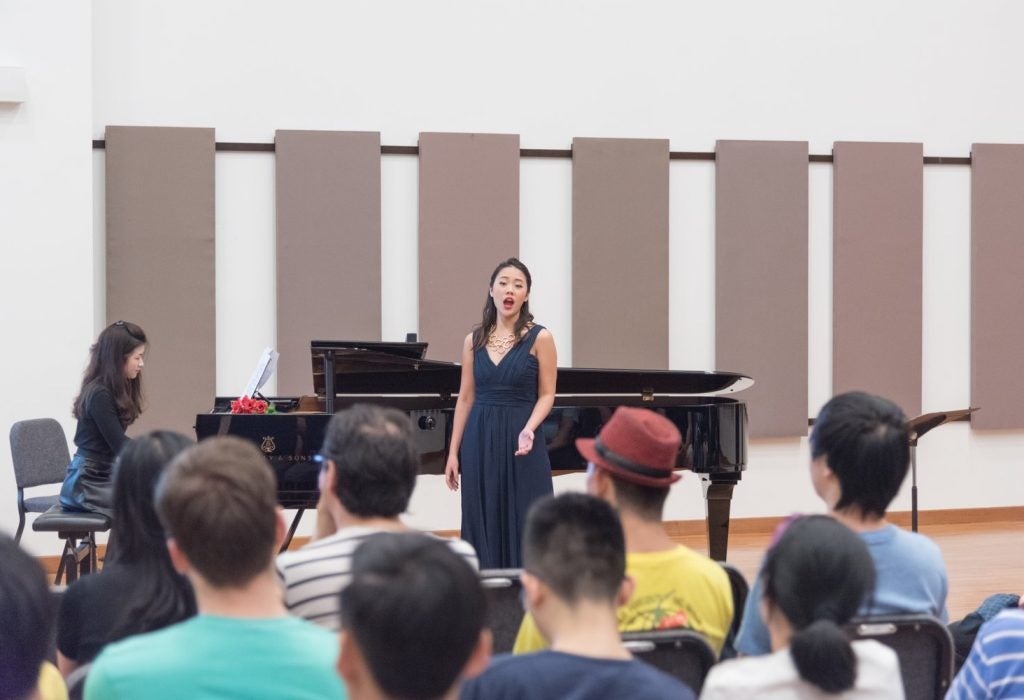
467,393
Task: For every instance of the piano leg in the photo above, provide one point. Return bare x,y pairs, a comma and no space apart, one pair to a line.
291,530
718,498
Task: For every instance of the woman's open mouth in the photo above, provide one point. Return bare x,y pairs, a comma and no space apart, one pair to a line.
508,303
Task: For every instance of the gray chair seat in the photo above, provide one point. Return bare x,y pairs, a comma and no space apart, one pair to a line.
41,504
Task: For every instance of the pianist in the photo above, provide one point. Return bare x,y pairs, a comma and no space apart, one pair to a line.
370,463
110,400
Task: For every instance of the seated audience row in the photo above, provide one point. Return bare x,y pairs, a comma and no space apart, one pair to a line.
410,608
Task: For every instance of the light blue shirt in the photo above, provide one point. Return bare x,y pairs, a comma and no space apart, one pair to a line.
910,577
221,657
995,667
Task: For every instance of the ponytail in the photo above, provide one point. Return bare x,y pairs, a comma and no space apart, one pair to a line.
823,656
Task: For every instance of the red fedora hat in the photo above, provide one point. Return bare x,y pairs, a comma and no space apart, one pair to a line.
636,445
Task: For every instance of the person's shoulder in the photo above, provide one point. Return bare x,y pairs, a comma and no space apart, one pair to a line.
648,679
914,544
463,548
1009,621
744,676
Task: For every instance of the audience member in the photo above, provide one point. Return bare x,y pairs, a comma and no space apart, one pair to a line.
26,628
138,589
370,464
995,666
860,453
630,467
218,505
412,620
814,580
574,578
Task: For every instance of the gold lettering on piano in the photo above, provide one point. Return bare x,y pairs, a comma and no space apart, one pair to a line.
268,446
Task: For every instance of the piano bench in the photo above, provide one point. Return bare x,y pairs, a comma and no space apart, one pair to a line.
78,530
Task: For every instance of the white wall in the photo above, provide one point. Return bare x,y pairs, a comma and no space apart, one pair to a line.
943,73
46,235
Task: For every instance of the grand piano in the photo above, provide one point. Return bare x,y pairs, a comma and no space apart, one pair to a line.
713,425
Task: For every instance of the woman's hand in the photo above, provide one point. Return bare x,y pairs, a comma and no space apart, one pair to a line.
525,442
451,472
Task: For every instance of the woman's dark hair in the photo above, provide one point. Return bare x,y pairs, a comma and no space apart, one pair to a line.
490,317
159,595
27,619
818,575
106,368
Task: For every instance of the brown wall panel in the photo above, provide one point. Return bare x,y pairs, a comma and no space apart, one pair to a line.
761,278
997,285
160,263
877,233
620,253
328,245
469,222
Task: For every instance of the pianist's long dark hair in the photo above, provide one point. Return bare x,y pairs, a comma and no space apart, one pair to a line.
490,319
106,368
158,596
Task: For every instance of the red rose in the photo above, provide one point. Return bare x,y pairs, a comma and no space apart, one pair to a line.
259,407
236,406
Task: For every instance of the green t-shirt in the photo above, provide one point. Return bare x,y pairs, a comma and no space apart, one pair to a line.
220,657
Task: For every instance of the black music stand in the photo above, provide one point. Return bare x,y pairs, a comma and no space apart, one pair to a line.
918,427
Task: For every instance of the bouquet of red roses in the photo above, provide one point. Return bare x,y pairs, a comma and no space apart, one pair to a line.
245,404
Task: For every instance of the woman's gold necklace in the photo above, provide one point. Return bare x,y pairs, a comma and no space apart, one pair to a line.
501,344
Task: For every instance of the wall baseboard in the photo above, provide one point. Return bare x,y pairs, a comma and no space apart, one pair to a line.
752,526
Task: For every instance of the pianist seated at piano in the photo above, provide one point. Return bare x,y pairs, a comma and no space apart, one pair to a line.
368,473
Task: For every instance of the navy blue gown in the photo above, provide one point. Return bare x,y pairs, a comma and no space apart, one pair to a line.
498,488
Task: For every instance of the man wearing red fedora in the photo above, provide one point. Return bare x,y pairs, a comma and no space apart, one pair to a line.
630,465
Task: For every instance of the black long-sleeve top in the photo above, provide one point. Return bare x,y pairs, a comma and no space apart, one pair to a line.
100,434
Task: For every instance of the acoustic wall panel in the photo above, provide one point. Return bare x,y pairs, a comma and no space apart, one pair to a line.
620,253
877,235
469,222
328,245
160,263
997,287
761,278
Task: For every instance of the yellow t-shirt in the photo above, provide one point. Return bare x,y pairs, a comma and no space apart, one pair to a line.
676,588
51,684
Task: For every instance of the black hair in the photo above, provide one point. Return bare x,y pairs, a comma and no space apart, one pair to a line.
574,543
27,618
159,596
377,461
866,443
818,575
490,313
416,609
107,356
646,502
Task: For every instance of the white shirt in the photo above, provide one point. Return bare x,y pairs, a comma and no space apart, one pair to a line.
775,676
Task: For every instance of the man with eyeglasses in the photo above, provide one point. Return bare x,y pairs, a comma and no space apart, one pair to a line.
370,464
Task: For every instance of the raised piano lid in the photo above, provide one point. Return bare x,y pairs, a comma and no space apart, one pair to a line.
381,368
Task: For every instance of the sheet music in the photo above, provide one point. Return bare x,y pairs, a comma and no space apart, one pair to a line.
264,369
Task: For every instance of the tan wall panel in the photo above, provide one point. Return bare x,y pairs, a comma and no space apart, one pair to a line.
761,278
620,253
877,270
328,245
469,222
997,285
160,263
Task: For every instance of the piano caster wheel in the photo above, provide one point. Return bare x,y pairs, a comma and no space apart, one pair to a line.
427,423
